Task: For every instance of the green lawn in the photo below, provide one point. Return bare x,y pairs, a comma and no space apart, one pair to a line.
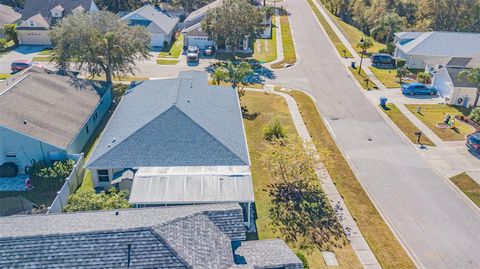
331,34
45,52
41,59
468,186
433,114
388,77
404,124
354,35
289,54
381,240
361,78
174,50
265,50
274,107
167,62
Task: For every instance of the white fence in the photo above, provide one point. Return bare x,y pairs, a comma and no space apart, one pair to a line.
71,184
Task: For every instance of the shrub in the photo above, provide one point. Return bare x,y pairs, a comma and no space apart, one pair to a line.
274,130
303,259
390,48
43,176
3,44
424,77
400,62
401,73
475,114
89,200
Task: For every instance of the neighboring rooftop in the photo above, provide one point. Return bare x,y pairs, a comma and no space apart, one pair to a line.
161,237
202,12
47,106
446,44
155,19
456,62
44,7
458,81
8,15
174,122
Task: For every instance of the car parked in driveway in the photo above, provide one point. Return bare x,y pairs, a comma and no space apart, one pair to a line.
473,142
20,65
192,54
417,88
382,59
209,51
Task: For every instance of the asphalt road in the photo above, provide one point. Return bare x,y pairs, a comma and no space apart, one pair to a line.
438,225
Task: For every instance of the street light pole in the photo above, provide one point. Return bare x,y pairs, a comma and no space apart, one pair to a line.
361,57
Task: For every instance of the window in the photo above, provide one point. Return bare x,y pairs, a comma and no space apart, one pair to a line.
103,175
86,129
10,155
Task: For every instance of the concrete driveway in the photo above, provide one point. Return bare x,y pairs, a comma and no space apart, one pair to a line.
438,225
20,53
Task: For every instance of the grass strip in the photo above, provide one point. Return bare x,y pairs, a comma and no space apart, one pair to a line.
468,186
289,54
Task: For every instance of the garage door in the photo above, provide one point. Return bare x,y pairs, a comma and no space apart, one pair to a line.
34,38
200,42
157,40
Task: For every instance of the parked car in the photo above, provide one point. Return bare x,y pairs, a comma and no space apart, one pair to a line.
192,54
209,50
382,59
20,65
418,88
473,142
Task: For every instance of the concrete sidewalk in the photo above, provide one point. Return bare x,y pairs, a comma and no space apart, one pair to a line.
357,241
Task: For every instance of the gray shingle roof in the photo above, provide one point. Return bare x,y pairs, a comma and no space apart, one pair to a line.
8,15
198,14
43,7
272,253
457,81
446,44
163,22
174,122
166,237
55,107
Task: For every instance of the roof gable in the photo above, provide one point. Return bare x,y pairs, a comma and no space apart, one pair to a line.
43,7
171,139
163,21
200,116
434,44
8,15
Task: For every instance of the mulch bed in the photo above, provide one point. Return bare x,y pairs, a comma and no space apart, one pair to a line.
470,122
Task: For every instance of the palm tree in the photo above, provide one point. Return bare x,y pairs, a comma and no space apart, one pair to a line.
220,74
388,25
238,72
365,43
473,76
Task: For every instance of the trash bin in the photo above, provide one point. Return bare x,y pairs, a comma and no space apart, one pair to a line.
353,64
383,101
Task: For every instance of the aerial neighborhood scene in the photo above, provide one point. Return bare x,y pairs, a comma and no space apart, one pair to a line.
222,134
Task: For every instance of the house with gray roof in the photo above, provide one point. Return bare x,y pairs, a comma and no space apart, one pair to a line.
8,15
454,89
176,141
45,116
159,23
201,236
418,47
40,15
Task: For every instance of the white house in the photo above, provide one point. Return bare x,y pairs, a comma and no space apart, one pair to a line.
40,15
418,47
455,90
45,116
176,141
159,23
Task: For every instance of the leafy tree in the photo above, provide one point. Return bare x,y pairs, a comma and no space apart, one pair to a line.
190,5
300,209
388,25
424,77
90,201
233,21
237,72
13,3
365,44
3,44
43,176
116,6
274,130
220,74
402,72
475,114
99,43
11,32
304,260
473,76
